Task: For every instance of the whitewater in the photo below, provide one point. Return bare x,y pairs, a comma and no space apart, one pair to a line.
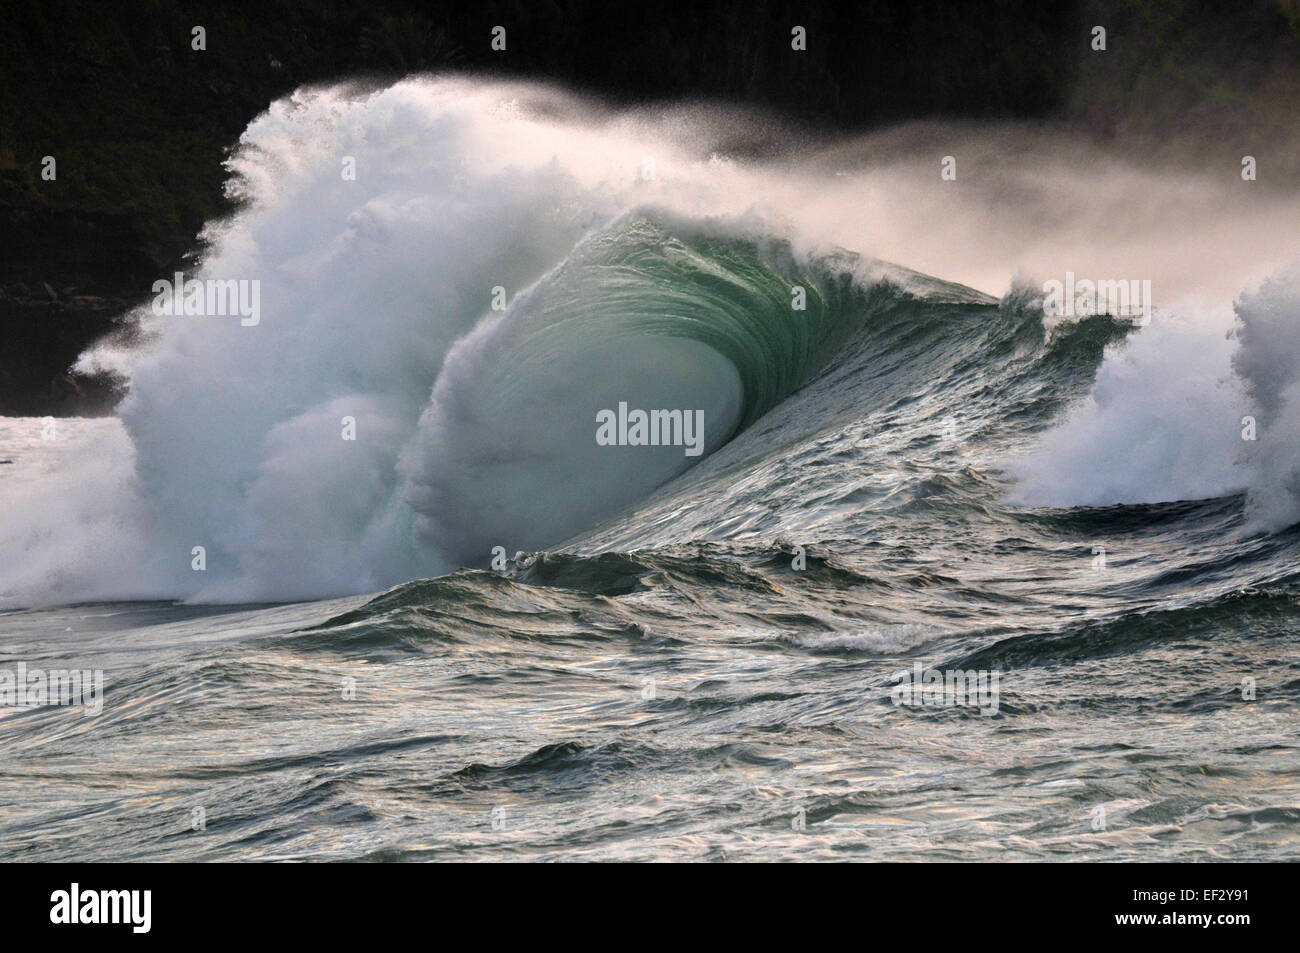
364,583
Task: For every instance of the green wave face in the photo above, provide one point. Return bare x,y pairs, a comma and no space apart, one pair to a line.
652,315
776,323
777,320
641,315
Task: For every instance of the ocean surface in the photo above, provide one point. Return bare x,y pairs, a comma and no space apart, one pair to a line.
472,632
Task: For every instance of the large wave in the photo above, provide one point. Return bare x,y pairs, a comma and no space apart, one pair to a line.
639,262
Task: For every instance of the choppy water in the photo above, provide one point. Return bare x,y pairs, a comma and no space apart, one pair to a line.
638,697
702,668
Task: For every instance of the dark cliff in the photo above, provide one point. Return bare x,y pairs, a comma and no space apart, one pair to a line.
139,123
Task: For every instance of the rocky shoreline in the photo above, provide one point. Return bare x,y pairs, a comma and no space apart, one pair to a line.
67,279
44,333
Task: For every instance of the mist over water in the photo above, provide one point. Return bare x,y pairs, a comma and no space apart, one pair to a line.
475,428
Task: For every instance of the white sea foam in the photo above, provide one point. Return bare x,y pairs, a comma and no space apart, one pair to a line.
1173,410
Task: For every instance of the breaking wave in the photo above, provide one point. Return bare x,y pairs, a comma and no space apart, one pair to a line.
463,275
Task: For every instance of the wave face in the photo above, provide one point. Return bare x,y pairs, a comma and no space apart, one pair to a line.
688,656
639,315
